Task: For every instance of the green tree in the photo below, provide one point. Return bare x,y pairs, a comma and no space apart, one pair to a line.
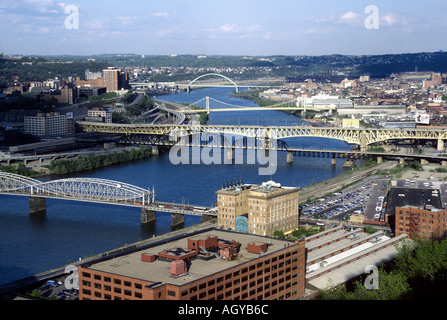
424,260
278,234
369,229
391,286
35,293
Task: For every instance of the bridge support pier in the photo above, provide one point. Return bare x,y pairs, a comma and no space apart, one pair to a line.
401,161
379,160
188,89
424,161
177,219
155,151
147,215
333,161
206,218
229,156
443,163
289,157
37,205
440,145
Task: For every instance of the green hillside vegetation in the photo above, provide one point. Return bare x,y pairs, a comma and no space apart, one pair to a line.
418,272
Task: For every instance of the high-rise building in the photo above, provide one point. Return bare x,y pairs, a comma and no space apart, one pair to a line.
69,94
112,79
258,209
115,79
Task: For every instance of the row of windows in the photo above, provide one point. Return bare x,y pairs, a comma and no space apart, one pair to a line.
116,281
407,213
423,220
108,296
423,225
256,293
248,273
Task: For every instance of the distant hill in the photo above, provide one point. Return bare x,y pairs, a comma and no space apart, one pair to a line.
377,66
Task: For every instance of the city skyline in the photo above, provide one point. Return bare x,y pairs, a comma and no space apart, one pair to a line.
49,27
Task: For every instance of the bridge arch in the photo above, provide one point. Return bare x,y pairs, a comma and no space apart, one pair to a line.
13,182
93,189
213,74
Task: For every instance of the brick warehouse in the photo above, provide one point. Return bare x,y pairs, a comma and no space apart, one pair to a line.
209,265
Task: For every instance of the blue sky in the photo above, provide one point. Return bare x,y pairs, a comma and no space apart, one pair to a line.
214,27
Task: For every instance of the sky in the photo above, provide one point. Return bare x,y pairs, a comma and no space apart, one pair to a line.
215,27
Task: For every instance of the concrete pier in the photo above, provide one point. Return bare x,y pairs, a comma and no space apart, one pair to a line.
440,145
37,205
229,156
177,219
147,215
289,157
206,218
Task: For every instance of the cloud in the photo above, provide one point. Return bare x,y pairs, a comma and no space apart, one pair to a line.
164,14
351,18
389,19
235,28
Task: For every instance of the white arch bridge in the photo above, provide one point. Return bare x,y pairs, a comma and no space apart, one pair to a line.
96,191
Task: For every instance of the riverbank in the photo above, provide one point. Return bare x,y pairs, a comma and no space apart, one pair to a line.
82,163
321,189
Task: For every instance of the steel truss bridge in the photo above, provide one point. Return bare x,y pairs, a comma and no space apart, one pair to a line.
361,137
92,190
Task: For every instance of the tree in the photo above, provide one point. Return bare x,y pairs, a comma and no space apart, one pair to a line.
425,260
391,286
35,293
278,234
369,230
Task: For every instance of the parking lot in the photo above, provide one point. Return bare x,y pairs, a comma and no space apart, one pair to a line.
353,200
55,289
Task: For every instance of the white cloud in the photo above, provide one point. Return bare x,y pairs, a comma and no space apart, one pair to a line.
229,28
164,14
350,18
235,28
389,19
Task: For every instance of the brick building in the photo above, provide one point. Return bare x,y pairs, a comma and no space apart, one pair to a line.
420,222
211,264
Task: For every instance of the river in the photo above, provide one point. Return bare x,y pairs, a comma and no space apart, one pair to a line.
72,230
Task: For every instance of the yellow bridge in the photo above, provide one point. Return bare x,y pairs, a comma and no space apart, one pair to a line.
361,137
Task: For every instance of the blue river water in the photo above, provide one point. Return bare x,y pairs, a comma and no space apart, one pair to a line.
30,244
